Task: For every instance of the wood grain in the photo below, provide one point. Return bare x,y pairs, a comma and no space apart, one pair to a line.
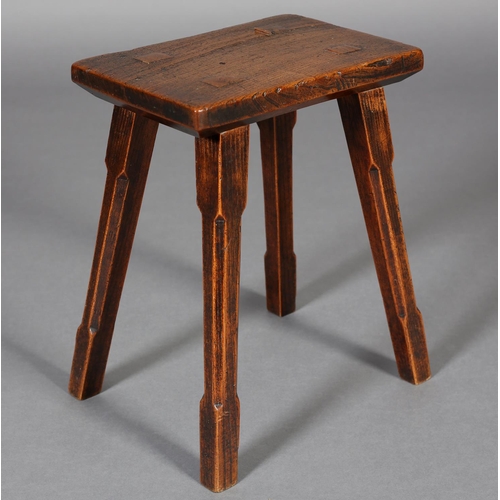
366,125
130,147
221,184
219,80
280,261
212,86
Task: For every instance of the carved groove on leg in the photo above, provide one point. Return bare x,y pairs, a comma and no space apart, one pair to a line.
366,125
221,181
130,147
280,261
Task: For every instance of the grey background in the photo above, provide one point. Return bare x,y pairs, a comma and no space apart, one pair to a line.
324,414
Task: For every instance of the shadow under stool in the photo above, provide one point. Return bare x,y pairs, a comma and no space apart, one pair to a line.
213,86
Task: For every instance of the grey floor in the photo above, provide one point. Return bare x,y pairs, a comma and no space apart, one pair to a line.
324,414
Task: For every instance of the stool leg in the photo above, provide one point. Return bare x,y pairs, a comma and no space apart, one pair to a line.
366,125
221,183
280,260
130,146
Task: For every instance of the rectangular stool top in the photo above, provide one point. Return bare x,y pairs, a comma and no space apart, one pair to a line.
215,81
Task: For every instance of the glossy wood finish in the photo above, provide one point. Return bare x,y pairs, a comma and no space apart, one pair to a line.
246,73
221,185
212,86
130,146
366,125
280,261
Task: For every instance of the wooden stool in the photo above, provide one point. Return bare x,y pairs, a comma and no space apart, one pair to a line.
213,86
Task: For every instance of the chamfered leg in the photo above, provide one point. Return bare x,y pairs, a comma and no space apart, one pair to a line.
130,146
280,261
221,183
366,125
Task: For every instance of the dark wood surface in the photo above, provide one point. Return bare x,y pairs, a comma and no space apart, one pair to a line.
221,185
218,80
130,146
212,86
280,261
366,125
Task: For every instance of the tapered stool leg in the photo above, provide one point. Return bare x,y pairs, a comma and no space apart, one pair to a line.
221,183
280,261
366,125
130,147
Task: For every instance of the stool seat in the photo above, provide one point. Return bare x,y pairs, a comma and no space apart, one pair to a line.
239,75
